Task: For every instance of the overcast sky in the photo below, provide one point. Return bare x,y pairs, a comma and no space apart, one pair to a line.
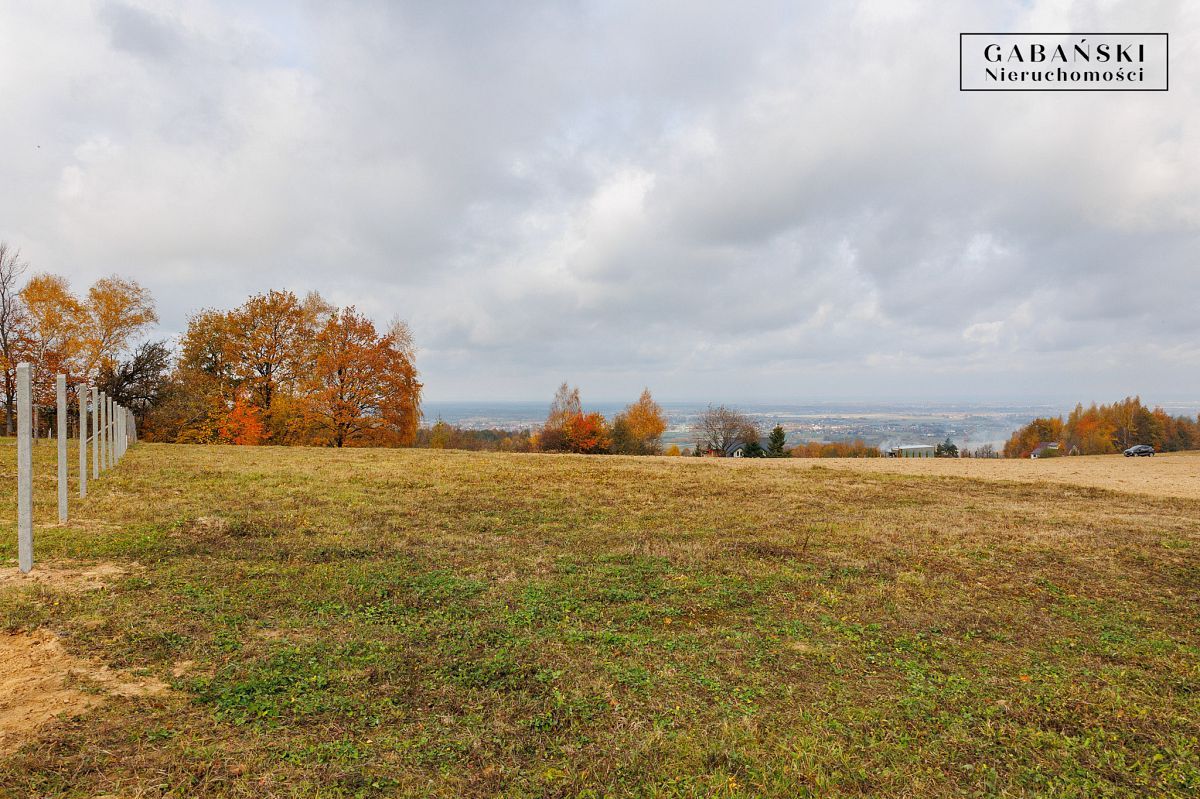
749,201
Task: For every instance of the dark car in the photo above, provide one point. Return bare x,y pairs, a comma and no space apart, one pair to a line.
1139,451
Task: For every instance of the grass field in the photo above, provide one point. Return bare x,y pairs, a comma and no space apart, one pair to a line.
299,622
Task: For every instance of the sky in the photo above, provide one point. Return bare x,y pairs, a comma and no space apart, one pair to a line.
747,201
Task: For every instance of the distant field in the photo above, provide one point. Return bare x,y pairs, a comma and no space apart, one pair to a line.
1172,474
267,622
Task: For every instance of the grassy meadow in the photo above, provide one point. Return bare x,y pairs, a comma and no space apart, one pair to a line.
425,623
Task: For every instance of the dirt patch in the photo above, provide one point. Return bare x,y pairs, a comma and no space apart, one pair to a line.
66,578
40,680
210,525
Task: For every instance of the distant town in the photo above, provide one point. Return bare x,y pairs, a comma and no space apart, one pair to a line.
885,426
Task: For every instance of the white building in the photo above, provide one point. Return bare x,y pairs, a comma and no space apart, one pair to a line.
912,451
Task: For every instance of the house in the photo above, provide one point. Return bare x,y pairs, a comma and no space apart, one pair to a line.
735,449
1045,450
912,451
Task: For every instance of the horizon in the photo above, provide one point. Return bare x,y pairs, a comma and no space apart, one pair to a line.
834,401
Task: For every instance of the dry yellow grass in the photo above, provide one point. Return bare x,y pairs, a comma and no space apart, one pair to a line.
416,623
1174,474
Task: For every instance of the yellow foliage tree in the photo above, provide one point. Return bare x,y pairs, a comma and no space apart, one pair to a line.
638,429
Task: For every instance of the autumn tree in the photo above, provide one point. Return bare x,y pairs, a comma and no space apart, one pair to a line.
588,434
208,350
565,407
55,332
363,388
242,425
1040,431
272,337
720,428
638,429
441,436
186,410
114,313
13,326
206,383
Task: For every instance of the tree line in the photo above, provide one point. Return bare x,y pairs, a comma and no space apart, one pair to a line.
277,369
1103,429
281,369
83,336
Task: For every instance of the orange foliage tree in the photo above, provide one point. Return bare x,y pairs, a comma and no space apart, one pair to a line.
588,433
242,425
272,336
363,388
569,429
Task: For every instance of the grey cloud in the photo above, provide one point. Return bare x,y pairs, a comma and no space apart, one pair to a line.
770,200
138,31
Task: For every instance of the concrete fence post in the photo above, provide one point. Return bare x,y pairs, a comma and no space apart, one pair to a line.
81,392
117,424
60,390
24,467
100,433
95,432
104,431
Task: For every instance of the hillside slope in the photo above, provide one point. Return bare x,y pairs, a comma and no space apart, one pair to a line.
420,623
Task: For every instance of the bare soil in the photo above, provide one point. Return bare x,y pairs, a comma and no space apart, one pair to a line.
1167,475
63,578
40,680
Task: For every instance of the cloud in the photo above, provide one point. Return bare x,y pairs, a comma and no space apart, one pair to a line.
768,202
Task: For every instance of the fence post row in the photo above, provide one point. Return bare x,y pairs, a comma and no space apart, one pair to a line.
113,428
